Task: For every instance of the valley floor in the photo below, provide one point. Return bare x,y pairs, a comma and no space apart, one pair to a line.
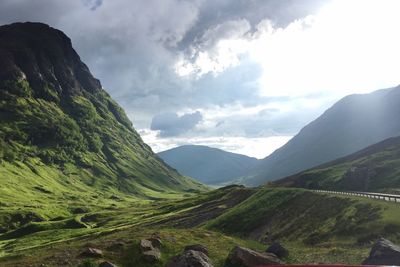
315,227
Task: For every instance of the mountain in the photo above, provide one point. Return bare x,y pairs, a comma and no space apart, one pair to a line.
375,168
353,123
62,137
206,164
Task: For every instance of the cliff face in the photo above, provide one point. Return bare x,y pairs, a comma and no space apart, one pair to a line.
45,57
53,112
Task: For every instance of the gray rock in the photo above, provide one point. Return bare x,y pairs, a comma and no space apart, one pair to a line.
244,257
277,249
190,258
383,252
150,253
145,245
155,242
197,247
92,252
152,256
107,264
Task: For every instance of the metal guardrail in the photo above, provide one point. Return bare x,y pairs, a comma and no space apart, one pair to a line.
386,197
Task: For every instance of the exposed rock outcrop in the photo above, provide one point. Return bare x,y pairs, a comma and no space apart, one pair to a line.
383,252
153,255
107,264
190,258
197,247
150,250
155,240
92,253
244,257
279,250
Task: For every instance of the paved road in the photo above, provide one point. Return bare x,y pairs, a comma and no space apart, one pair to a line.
386,197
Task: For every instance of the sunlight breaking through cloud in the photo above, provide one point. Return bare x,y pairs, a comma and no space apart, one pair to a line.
339,49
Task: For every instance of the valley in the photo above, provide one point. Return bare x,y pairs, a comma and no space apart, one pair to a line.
79,186
328,228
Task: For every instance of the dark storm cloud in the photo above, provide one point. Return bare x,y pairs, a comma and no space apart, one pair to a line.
170,124
281,12
39,10
132,46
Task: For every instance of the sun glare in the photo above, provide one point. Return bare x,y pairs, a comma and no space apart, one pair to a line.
348,47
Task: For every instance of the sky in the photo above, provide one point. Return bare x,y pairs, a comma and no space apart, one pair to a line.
240,75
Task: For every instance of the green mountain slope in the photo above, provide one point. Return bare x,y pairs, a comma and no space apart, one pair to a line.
63,139
353,123
206,164
375,168
299,215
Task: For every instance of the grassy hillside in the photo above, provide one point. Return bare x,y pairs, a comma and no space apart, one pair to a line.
65,145
292,214
206,164
63,239
353,123
375,168
315,227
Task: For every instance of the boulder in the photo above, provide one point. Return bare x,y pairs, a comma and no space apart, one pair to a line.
92,252
244,257
149,252
197,247
190,258
155,242
383,252
277,249
145,245
107,264
152,256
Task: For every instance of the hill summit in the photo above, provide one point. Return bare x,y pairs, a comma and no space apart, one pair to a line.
351,124
206,164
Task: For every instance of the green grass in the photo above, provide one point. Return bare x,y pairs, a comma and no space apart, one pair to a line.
317,228
75,150
127,224
173,243
375,168
312,218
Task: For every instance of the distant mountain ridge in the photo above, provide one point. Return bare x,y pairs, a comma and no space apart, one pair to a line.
375,168
353,123
206,164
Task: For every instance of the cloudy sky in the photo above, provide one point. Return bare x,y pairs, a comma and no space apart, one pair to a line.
241,75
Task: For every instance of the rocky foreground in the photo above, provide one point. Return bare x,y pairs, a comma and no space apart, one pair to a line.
383,252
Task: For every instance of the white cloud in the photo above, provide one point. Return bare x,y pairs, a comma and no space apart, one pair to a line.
219,48
250,77
348,47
